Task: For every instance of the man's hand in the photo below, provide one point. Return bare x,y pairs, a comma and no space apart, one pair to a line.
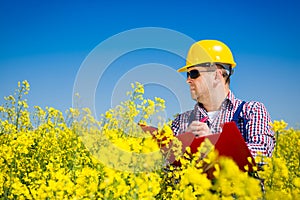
198,129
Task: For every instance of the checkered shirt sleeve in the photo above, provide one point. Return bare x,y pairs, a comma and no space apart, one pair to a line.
260,137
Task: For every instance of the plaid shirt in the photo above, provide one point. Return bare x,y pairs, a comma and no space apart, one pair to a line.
259,137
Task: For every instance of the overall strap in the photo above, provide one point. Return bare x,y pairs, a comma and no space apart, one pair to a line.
238,115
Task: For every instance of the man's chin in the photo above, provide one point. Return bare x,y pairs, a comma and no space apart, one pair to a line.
194,97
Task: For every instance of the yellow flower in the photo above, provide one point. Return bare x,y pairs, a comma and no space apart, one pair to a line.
279,126
47,156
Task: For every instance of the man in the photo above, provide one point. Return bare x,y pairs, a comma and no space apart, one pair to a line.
209,66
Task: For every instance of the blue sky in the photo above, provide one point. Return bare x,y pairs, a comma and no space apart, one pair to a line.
46,43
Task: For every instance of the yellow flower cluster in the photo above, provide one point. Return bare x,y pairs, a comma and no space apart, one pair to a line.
51,155
282,171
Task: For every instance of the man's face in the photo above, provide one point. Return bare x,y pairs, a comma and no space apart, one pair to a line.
200,81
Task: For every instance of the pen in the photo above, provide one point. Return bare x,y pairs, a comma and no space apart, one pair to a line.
204,119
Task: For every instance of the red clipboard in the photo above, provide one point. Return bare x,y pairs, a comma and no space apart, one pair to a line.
229,143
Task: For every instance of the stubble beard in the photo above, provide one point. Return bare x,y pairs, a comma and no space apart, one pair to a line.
194,95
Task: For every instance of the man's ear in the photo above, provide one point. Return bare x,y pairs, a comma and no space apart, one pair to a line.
218,77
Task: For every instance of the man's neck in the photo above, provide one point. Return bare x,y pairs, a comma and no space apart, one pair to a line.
215,101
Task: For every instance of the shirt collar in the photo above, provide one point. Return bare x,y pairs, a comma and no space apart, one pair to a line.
228,102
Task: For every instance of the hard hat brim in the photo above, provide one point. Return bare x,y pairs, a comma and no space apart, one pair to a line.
185,68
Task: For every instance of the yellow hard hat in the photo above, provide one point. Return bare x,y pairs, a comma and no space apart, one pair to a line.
208,51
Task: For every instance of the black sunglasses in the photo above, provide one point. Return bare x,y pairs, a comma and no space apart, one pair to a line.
193,74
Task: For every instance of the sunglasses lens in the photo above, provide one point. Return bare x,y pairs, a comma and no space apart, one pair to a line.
193,74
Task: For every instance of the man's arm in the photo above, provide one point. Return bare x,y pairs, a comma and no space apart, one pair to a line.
180,123
261,138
